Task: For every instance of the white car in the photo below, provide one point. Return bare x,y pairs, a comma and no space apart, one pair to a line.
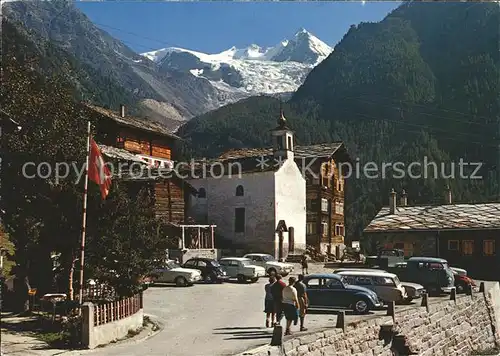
270,264
242,269
173,273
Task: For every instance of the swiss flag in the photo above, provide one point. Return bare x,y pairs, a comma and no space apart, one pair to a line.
98,172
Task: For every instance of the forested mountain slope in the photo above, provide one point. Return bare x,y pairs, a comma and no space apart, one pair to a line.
421,84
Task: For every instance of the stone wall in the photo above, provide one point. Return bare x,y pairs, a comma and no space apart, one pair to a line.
444,327
94,336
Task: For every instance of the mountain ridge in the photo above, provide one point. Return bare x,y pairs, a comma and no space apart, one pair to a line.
252,70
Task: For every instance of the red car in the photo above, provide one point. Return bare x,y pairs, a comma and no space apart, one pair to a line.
461,279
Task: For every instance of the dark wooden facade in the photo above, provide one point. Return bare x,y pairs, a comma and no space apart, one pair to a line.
325,222
170,194
475,250
132,134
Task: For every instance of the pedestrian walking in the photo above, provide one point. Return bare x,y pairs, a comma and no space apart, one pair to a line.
290,304
303,300
277,292
269,307
305,264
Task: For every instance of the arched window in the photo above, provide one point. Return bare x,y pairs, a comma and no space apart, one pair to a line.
202,193
239,191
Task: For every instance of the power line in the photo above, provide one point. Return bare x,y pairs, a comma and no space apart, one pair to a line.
426,106
369,117
422,113
163,43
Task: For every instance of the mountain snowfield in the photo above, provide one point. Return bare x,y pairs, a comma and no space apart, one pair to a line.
253,70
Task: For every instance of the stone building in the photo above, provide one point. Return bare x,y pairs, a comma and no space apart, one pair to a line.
466,235
258,202
267,196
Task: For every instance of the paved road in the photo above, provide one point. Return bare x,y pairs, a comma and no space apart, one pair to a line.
207,320
211,320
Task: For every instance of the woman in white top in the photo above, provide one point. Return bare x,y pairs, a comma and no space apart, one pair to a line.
290,304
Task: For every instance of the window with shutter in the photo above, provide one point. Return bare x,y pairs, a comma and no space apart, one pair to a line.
324,205
468,247
489,247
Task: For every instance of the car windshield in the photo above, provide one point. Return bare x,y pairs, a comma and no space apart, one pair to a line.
172,264
268,258
215,264
246,262
345,280
397,281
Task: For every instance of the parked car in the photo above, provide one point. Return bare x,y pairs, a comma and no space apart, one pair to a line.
328,291
211,270
432,273
386,285
270,263
462,281
386,258
173,273
413,290
243,269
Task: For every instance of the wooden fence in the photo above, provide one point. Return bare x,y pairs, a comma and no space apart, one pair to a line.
120,309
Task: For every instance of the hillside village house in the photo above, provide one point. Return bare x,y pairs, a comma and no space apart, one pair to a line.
466,235
276,209
125,138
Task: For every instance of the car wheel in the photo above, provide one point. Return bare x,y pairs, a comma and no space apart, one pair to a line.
271,271
253,280
461,288
181,281
361,306
210,278
433,290
241,278
407,300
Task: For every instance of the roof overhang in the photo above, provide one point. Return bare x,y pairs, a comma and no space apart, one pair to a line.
382,231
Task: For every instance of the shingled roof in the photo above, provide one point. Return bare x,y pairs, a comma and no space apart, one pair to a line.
437,217
322,150
135,122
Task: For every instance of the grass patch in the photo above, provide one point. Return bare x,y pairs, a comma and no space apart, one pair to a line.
132,333
55,340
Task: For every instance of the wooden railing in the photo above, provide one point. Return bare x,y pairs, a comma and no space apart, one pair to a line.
120,309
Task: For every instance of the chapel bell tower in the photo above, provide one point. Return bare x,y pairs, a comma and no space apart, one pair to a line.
282,139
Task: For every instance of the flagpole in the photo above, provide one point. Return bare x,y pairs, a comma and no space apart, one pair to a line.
82,248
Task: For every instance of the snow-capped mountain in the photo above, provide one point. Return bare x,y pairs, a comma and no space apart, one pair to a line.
252,70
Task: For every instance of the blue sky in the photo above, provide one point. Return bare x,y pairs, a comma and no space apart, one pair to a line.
212,27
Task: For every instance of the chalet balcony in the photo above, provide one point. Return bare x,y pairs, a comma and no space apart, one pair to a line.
157,162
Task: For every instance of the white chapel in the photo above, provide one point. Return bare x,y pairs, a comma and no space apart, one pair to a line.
257,197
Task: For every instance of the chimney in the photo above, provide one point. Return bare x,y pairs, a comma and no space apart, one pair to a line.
122,110
448,195
392,202
404,198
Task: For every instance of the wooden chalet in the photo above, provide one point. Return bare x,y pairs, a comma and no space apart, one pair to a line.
148,140
466,235
150,146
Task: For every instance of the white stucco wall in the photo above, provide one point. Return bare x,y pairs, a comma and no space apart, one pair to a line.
290,192
221,201
268,198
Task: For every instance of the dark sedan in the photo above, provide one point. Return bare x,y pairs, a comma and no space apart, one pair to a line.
211,270
329,291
